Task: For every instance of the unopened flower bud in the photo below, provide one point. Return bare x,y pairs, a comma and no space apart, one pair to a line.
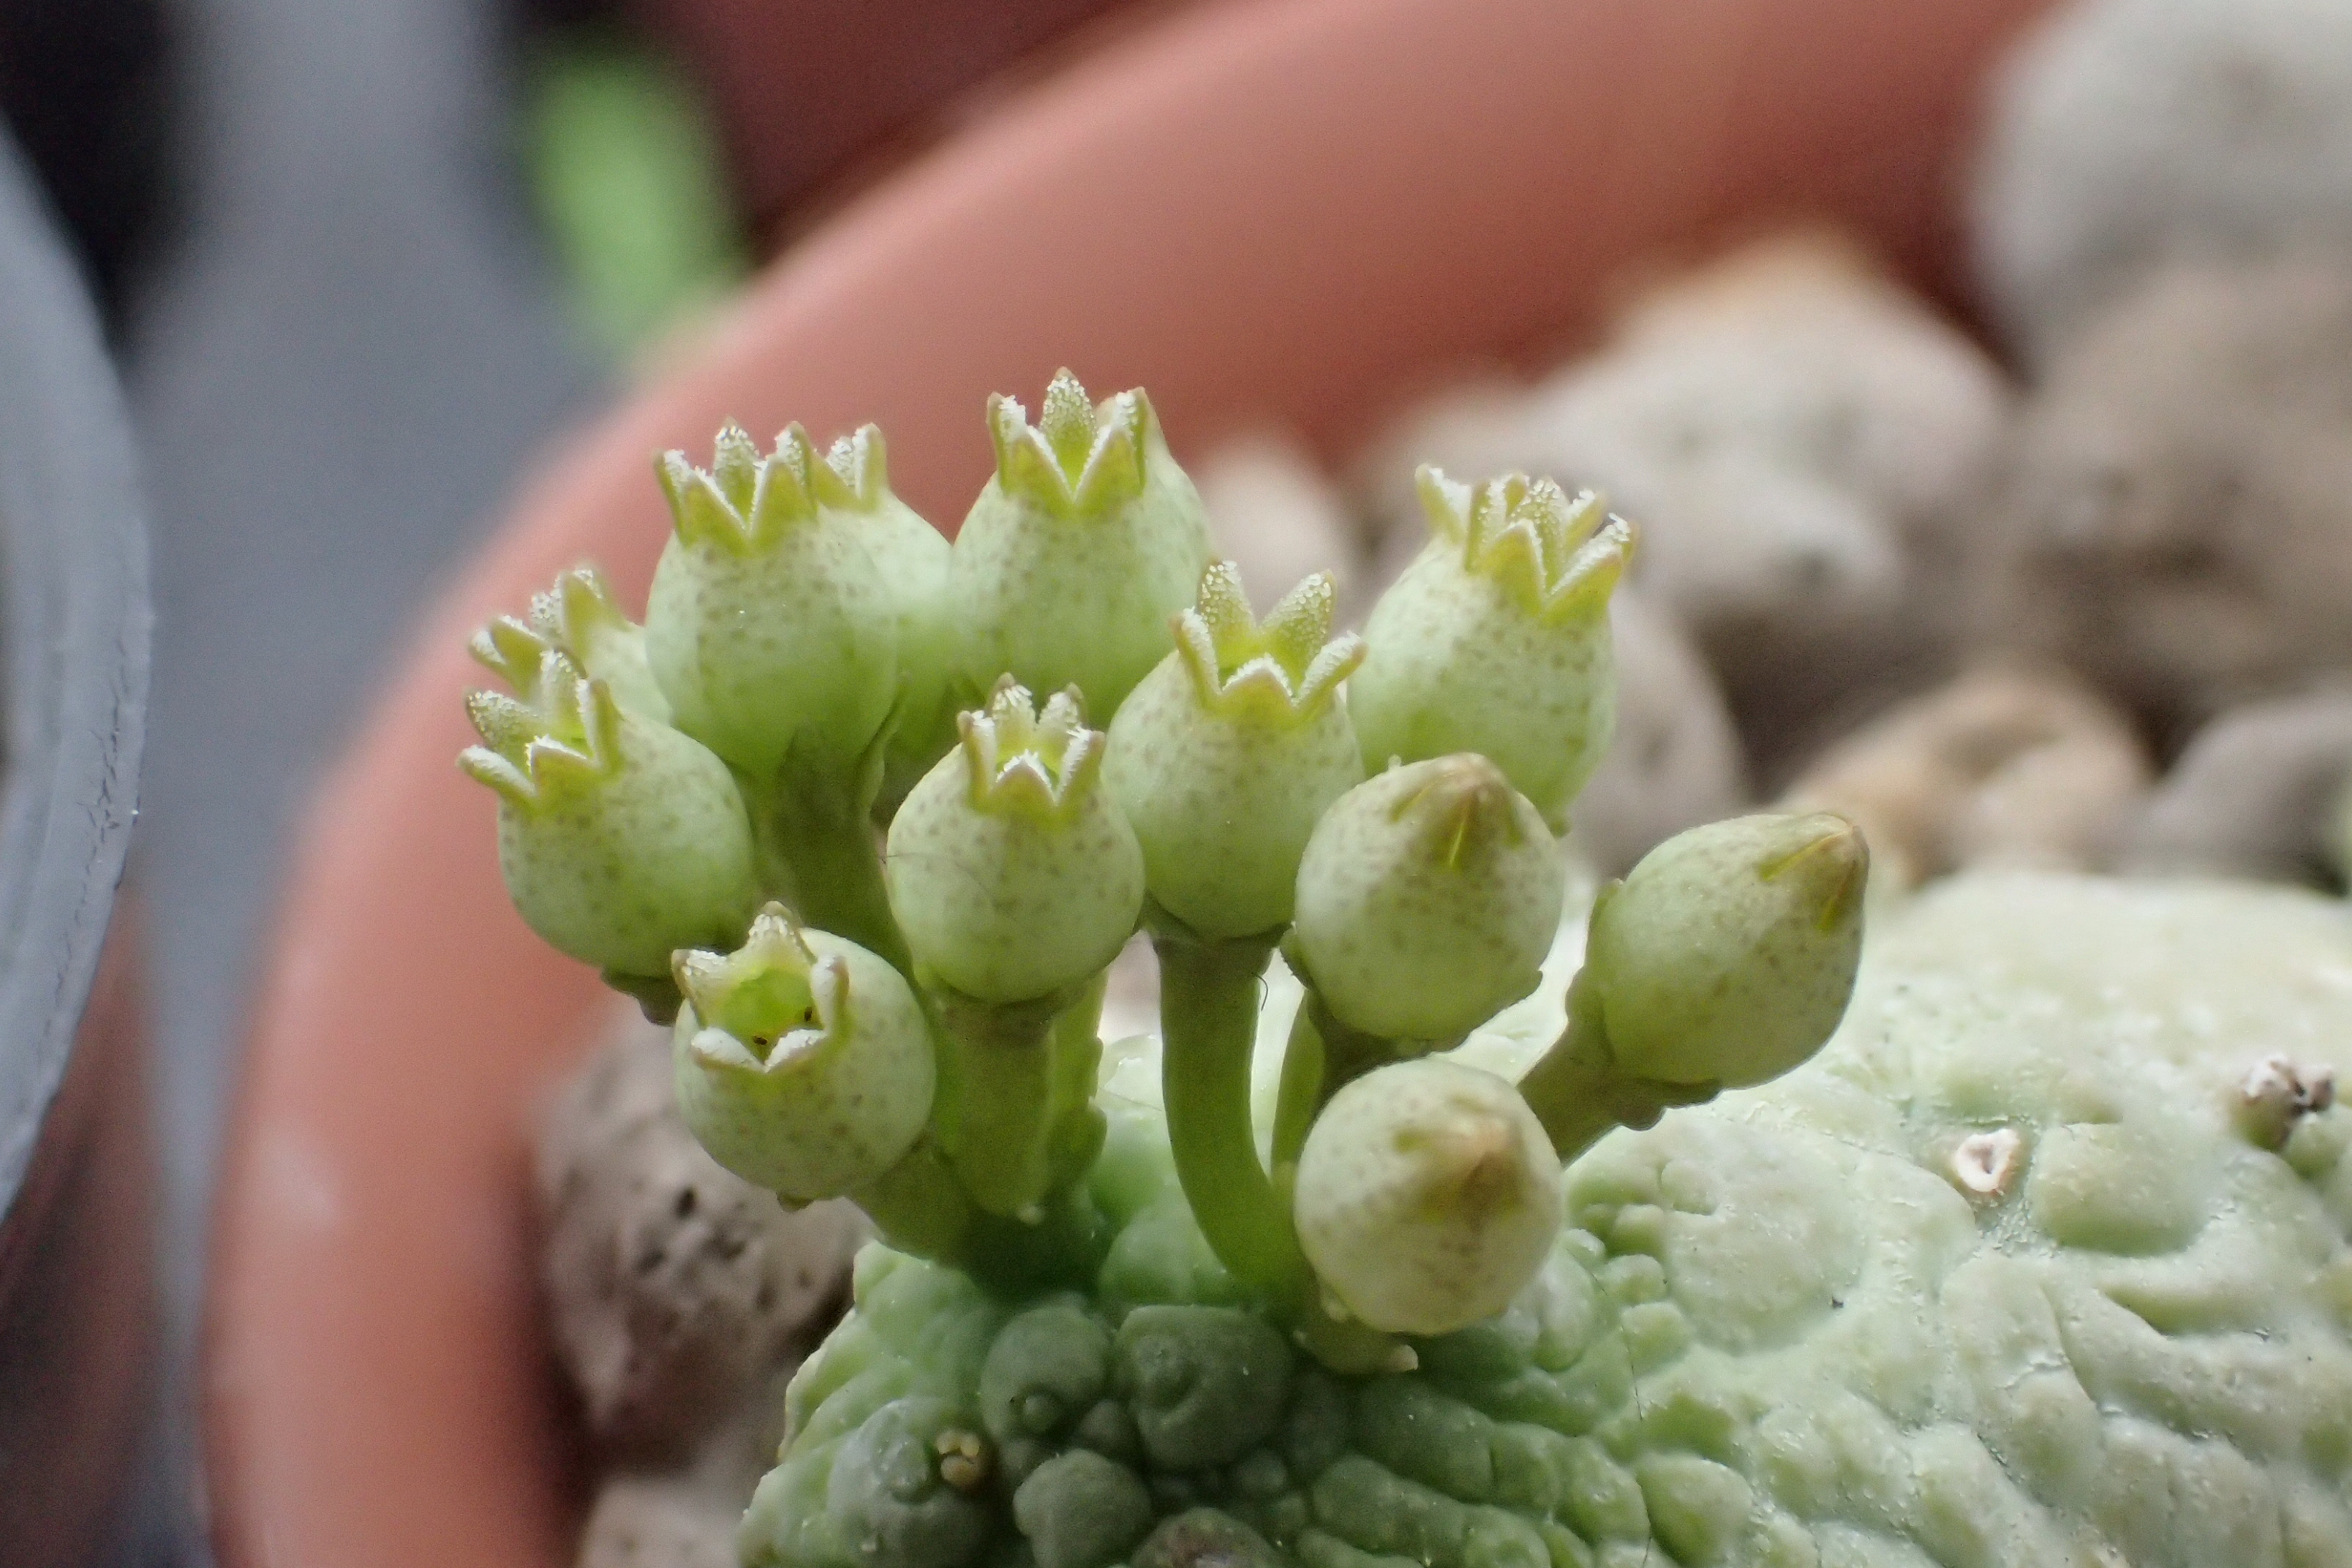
1427,899
1728,954
802,1061
1495,640
1427,1196
621,839
1227,755
1083,543
853,480
768,625
1011,871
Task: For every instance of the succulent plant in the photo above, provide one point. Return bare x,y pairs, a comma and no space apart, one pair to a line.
1112,1317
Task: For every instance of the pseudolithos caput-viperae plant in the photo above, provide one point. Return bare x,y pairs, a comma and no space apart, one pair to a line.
870,815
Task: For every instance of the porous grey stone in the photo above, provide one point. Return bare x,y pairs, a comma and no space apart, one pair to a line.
2259,793
671,1285
2178,516
2125,133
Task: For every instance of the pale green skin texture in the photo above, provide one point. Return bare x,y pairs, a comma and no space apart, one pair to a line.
1395,1233
795,640
621,871
1773,1332
1078,601
912,560
1714,973
1005,907
1406,949
1458,664
1223,807
836,1116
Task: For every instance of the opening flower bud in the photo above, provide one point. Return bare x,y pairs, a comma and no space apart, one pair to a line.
1011,873
802,1061
1427,899
1427,1196
1728,954
853,480
1495,640
621,839
1083,543
580,618
768,626
1227,755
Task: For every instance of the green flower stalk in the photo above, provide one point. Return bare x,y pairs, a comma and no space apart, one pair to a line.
1495,640
1017,882
804,1063
1228,753
1085,542
1427,899
853,480
1427,1198
1724,959
621,839
769,626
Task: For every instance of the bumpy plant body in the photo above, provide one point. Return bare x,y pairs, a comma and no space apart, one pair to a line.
1284,1284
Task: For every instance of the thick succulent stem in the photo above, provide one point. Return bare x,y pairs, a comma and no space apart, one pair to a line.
1208,1018
920,1208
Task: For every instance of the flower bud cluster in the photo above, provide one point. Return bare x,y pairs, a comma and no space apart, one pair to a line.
955,779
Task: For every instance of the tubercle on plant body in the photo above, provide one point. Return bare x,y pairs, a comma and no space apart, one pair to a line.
913,1020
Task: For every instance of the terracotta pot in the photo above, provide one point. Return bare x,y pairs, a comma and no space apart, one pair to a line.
1283,209
76,1177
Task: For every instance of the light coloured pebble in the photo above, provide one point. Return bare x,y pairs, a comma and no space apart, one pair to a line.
2257,793
2129,132
1676,759
2177,521
1273,513
671,1285
1999,768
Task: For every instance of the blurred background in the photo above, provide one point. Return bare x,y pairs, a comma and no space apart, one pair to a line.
358,259
2056,583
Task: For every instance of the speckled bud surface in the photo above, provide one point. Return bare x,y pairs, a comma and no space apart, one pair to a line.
1496,639
1427,1198
1427,899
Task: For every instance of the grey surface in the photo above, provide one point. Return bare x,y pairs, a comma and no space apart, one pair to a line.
337,380
73,567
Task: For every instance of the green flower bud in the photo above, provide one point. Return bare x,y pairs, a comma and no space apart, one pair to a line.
1228,754
1081,546
580,618
1427,899
853,479
768,625
1011,871
1728,954
1495,640
1427,1198
802,1061
621,839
